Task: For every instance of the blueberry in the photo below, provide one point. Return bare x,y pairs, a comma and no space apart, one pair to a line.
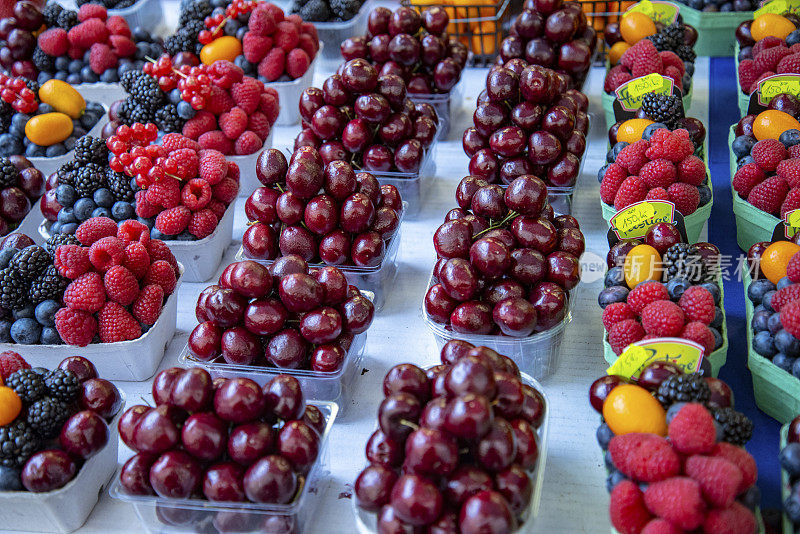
676,287
5,256
719,317
185,110
793,38
84,208
18,122
175,96
789,459
86,57
696,4
62,63
122,211
602,172
243,64
50,336
714,290
61,75
69,143
102,212
790,137
218,11
138,64
25,312
10,145
745,52
791,506
783,361
88,75
35,151
727,7
185,236
219,3
66,215
751,498
142,50
613,479
774,323
615,276
155,234
718,339
43,78
787,344
96,108
125,68
66,195
68,228
764,345
45,312
760,321
26,331
55,150
744,161
604,435
55,228
10,479
673,411
79,131
783,282
103,197
88,120
757,290
705,195
109,76
611,157
147,222
609,295
796,368
742,146
766,301
609,462
73,79
648,132
232,26
139,34
46,108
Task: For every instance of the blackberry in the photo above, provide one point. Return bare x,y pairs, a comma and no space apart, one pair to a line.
13,289
47,415
6,112
194,11
90,149
128,77
33,85
8,173
30,261
737,428
686,53
666,109
50,14
67,19
56,240
683,388
48,285
167,119
89,179
345,9
185,39
120,186
669,38
42,61
66,173
146,92
315,11
18,442
27,384
682,260
62,384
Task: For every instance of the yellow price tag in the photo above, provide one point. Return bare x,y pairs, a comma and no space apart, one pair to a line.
769,88
777,7
630,93
663,12
792,223
634,221
686,354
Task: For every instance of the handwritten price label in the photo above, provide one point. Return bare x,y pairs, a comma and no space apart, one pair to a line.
778,7
769,88
686,354
791,223
662,12
633,221
630,93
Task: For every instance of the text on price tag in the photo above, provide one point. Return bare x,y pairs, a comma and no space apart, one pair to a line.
662,12
686,354
778,7
791,223
634,221
769,88
630,93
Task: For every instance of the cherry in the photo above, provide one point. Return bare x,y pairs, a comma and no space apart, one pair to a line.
407,378
154,433
373,487
222,482
128,421
84,434
515,485
416,500
135,475
239,400
175,475
383,450
486,511
284,397
299,443
47,470
527,443
270,480
394,414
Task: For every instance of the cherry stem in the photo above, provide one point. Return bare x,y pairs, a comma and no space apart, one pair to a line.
406,422
179,73
508,218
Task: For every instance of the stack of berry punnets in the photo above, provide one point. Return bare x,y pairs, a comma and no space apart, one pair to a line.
662,287
239,456
21,185
217,106
766,47
527,121
90,46
700,478
459,447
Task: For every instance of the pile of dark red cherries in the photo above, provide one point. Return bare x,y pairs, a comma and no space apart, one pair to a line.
506,262
326,213
456,446
286,316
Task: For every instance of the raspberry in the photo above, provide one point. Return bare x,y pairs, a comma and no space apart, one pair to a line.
196,194
233,171
216,139
789,64
763,76
260,125
660,526
219,102
225,191
626,509
72,261
286,36
297,63
165,193
147,306
88,32
136,259
144,208
699,333
662,318
269,106
698,304
768,153
186,161
255,47
233,123
616,312
92,11
218,208
247,143
202,122
213,166
767,42
644,457
794,151
658,193
75,52
789,170
623,334
645,293
10,363
658,173
685,197
86,293
633,157
162,274
718,478
95,228
672,145
203,223
224,73
122,46
106,252
118,26
121,285
748,74
791,203
741,459
308,45
262,22
671,59
613,177
54,42
746,178
642,58
678,500
101,58
790,317
131,231
158,250
736,519
247,94
173,221
784,296
692,171
273,65
75,327
769,195
175,141
692,430
309,29
632,190
768,59
116,324
793,268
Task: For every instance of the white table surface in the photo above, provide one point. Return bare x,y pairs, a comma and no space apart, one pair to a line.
574,498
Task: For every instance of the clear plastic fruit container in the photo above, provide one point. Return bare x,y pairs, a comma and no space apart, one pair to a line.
537,355
160,514
334,33
366,522
289,92
445,104
413,186
147,14
335,387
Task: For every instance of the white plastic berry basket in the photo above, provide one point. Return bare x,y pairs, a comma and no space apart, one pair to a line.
336,32
289,92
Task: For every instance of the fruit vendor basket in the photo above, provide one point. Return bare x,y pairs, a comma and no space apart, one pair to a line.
160,514
366,522
412,186
377,280
478,24
67,508
135,360
335,387
714,30
289,92
537,355
147,14
777,393
608,104
752,224
445,104
333,33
